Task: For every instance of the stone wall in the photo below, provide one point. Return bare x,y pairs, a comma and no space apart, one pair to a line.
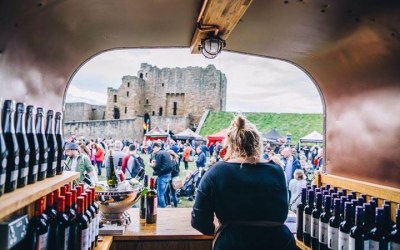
80,111
116,129
176,123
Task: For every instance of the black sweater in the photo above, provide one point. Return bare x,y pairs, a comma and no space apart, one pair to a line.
253,192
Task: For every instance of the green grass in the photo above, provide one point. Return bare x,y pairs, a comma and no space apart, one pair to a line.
192,166
298,125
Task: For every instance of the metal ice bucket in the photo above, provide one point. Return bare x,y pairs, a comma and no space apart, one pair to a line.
114,203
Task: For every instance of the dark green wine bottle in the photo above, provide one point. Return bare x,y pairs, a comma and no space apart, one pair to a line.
111,178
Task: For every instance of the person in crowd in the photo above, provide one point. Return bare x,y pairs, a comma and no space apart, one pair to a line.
78,162
162,166
295,186
290,163
170,192
93,153
174,147
132,163
201,159
180,152
218,148
83,149
186,155
277,160
244,178
211,149
99,157
117,154
266,153
295,154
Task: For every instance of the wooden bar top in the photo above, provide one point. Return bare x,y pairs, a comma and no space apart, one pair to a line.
172,224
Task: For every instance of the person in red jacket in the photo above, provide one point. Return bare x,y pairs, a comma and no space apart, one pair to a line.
99,157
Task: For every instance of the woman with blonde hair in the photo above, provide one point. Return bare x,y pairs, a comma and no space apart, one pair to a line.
247,195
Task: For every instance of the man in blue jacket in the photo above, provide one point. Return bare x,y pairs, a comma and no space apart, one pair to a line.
290,163
201,159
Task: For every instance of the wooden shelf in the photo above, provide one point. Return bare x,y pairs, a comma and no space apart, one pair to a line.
21,197
301,245
105,244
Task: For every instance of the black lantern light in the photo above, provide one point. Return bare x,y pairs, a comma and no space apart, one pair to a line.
212,46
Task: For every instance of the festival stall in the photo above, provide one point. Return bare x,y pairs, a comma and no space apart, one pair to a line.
313,137
155,134
217,137
272,136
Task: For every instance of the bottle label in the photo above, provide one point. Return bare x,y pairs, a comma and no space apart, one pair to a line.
35,169
42,242
26,158
344,239
373,245
333,238
66,239
366,244
394,246
24,172
14,175
4,163
37,156
352,243
43,167
2,178
97,224
323,233
93,232
54,165
307,224
45,155
84,239
315,228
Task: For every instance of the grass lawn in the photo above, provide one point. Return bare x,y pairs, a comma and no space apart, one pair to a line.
192,166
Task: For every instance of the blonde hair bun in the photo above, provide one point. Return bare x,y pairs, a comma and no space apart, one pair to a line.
240,122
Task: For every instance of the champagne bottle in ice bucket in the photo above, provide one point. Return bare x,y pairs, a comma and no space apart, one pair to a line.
112,180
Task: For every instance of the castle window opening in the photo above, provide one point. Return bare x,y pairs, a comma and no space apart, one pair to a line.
162,84
175,108
154,113
126,110
147,101
141,75
115,98
116,113
127,93
160,111
129,84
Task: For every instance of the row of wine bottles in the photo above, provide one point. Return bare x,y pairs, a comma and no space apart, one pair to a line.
29,149
70,221
332,219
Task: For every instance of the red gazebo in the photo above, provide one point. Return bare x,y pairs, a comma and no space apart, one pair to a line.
155,134
217,137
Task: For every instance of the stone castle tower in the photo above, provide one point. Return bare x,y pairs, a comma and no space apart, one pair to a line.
168,92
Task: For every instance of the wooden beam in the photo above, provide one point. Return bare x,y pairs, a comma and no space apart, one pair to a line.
223,14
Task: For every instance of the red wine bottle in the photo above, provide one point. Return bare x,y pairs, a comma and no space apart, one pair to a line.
62,226
82,233
38,228
51,220
52,145
23,167
334,223
72,216
315,215
43,149
143,198
324,223
33,145
394,236
74,198
358,234
97,217
60,144
368,221
3,158
387,207
345,227
12,146
307,218
151,203
378,236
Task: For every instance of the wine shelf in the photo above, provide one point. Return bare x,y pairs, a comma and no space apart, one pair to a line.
21,197
301,245
105,244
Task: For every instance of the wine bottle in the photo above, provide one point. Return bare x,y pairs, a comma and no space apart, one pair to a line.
378,236
345,227
3,157
143,197
394,236
387,206
300,213
354,195
364,196
56,194
354,204
307,218
315,215
344,191
38,228
92,211
33,145
343,201
324,223
62,226
361,201
60,144
72,217
368,220
43,149
52,218
82,233
97,217
52,145
23,145
74,199
358,234
334,223
89,217
12,146
335,189
151,203
111,177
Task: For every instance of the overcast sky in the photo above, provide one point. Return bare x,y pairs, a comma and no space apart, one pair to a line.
254,84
